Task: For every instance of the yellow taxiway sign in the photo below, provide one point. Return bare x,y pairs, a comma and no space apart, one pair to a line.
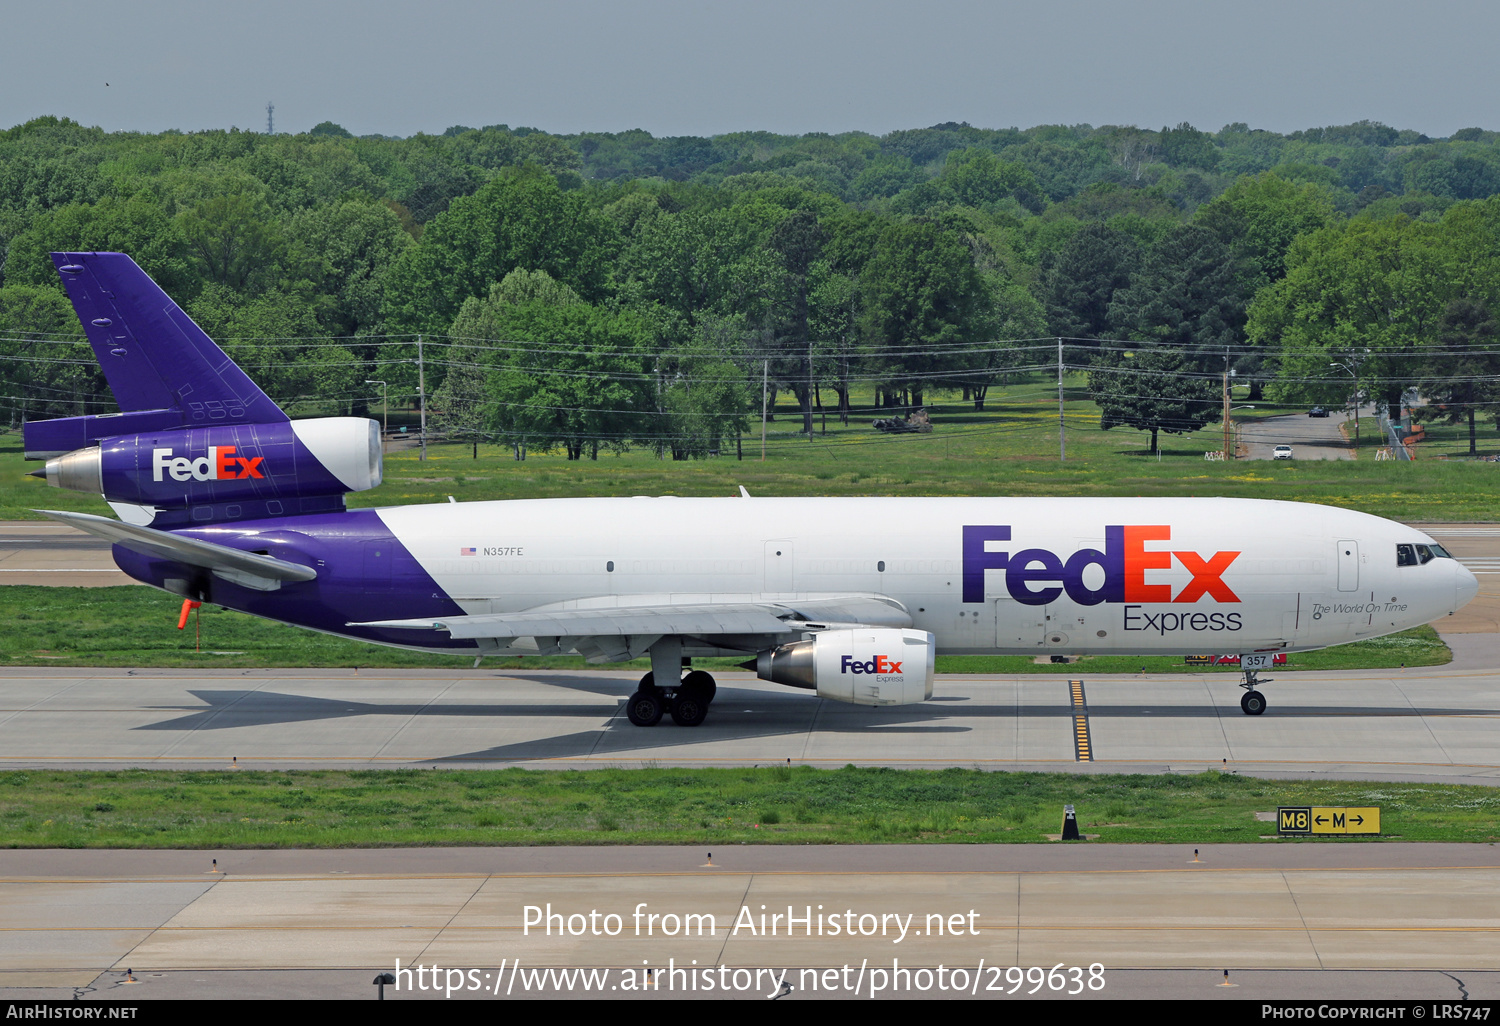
1314,819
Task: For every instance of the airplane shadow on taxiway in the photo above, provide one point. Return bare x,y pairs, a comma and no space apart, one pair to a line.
737,715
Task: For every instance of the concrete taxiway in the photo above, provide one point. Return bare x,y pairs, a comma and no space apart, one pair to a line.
1432,723
43,552
304,921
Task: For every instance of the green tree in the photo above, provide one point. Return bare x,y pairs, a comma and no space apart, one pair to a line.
137,226
234,239
46,367
798,240
1462,374
1185,146
1154,389
708,396
1080,280
833,310
924,303
1189,294
276,338
1257,218
884,177
1363,284
351,247
977,177
477,342
698,263
519,219
584,378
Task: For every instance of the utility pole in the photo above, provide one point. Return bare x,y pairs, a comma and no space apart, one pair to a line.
1062,426
422,396
765,373
807,421
1229,452
1351,363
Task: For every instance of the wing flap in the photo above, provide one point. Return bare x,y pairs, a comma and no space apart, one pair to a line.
696,619
574,623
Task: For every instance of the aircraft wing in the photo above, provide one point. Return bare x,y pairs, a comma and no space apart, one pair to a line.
698,619
264,573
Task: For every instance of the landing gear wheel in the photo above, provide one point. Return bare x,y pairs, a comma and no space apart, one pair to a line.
644,708
648,685
690,707
703,683
1253,703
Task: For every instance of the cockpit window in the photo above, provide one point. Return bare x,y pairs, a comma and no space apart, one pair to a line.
1419,555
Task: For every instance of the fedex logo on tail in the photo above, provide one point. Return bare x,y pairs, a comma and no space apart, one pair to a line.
879,664
1036,577
221,464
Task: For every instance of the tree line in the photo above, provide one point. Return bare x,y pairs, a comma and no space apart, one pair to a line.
615,289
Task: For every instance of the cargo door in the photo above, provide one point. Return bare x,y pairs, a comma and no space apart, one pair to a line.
1019,627
1348,558
1071,625
778,576
1292,622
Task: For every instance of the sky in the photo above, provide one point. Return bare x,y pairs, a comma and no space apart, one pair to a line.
674,67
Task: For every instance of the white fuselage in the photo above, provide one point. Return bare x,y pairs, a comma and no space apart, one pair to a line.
1167,576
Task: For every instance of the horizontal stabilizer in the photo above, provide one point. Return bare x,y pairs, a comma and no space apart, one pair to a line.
702,619
221,559
48,438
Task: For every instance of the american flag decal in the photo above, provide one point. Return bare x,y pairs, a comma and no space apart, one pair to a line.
467,552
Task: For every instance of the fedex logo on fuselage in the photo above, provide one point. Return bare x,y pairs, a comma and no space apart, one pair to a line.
221,464
1125,562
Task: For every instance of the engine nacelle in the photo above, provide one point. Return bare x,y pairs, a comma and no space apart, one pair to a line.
228,467
863,666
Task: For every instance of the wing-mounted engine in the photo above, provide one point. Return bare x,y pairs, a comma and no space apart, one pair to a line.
863,666
228,471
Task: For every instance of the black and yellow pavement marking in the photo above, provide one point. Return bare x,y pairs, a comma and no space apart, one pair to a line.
1083,749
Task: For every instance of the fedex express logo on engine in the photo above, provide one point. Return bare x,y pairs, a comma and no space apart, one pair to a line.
1036,577
879,664
221,464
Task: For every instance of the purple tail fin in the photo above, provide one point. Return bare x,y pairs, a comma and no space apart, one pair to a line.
152,354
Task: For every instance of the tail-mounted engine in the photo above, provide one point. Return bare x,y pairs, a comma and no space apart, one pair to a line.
874,666
228,471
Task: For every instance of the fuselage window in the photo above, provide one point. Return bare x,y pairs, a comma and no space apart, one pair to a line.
1406,555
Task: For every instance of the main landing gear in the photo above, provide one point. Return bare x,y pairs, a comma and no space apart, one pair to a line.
1252,702
688,701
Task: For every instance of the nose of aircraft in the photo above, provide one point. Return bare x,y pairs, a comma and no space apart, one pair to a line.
1465,585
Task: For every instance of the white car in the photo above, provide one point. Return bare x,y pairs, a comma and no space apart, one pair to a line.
1282,452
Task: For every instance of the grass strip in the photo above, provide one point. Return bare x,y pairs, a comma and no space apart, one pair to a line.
775,805
1010,448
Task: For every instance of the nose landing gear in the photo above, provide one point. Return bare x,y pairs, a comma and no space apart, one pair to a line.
1252,702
